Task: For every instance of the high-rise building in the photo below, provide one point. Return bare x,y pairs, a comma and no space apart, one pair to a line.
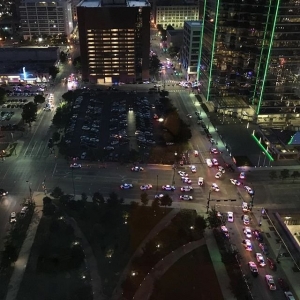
114,38
190,47
174,12
47,17
250,54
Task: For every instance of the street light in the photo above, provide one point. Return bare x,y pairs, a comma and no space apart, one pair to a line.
174,168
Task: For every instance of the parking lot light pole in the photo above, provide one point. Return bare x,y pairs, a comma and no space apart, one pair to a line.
174,168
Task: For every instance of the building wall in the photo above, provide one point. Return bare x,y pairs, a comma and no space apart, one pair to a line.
190,49
175,15
251,53
113,42
174,39
45,17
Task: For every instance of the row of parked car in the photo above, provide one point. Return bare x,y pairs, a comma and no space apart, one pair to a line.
144,126
6,115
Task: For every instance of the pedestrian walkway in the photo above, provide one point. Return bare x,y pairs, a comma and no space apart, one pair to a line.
164,222
145,290
221,272
20,265
276,238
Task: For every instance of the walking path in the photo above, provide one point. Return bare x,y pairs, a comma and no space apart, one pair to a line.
221,272
145,290
91,262
20,265
164,222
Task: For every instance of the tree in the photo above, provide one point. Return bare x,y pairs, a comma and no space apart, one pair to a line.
63,57
144,198
53,71
295,175
39,99
166,200
213,220
57,192
113,199
55,136
273,174
77,62
29,113
164,93
200,225
98,198
68,96
2,95
84,197
61,116
154,64
155,205
170,27
285,173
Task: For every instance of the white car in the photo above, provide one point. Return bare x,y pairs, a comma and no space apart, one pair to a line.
186,197
85,128
146,187
83,155
249,190
168,187
137,169
214,150
209,162
253,268
215,162
242,175
126,186
186,180
200,181
225,231
245,207
109,148
230,217
215,187
13,217
260,259
193,169
158,196
270,282
234,181
24,211
246,219
186,188
196,153
248,232
183,174
221,169
247,244
289,295
75,166
218,175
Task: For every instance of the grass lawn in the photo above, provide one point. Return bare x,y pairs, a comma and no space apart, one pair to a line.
192,277
49,273
114,233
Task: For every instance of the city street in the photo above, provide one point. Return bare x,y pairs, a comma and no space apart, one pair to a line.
33,164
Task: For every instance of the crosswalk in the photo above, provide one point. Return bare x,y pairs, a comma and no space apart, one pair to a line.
38,149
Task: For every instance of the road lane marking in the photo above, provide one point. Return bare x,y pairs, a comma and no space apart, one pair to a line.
55,166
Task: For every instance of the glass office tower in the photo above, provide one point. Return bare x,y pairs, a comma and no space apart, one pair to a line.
249,53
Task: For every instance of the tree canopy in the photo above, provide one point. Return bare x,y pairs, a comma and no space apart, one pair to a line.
29,112
39,99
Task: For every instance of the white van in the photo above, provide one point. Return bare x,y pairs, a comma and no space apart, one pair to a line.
209,162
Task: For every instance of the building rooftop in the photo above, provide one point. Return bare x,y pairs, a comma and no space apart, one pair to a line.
175,32
193,23
112,3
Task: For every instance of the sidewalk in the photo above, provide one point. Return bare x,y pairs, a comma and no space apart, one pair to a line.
159,227
145,289
223,278
285,264
20,265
